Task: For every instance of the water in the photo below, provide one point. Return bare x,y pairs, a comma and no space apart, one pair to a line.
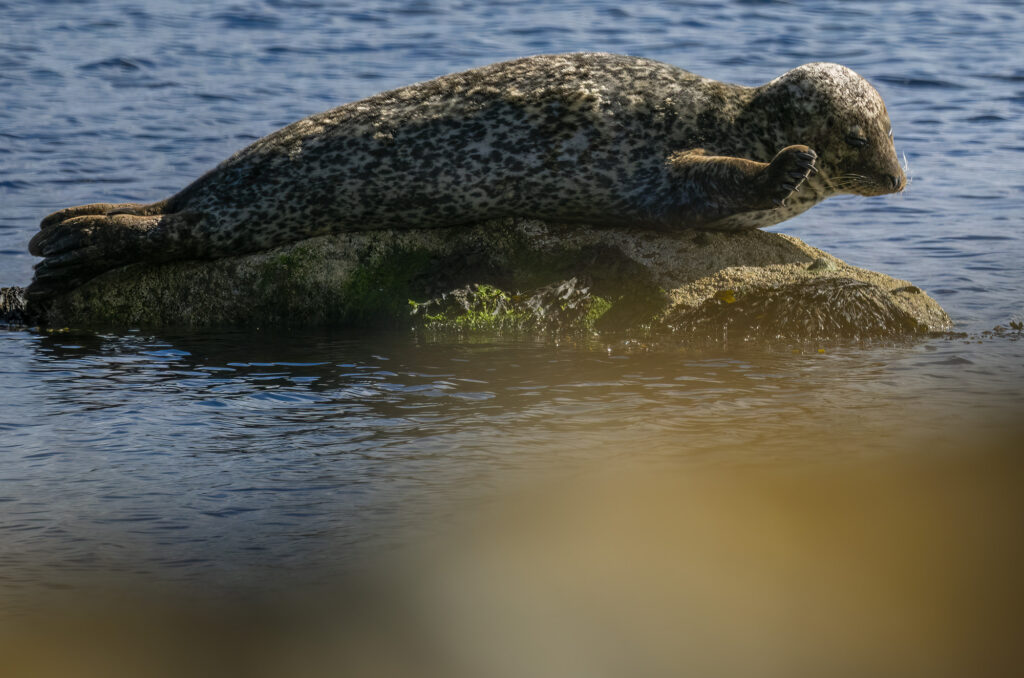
251,461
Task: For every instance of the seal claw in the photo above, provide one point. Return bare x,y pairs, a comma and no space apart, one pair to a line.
787,172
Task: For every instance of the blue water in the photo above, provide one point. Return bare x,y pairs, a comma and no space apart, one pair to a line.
216,458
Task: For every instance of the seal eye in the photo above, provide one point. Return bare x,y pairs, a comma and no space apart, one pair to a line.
856,140
856,137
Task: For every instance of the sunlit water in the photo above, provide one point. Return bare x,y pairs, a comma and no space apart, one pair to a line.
240,460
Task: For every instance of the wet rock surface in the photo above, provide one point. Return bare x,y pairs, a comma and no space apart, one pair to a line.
813,310
512,276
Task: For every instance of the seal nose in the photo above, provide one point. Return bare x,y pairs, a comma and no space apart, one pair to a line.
896,181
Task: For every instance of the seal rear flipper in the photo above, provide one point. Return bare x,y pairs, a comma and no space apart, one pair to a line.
80,248
65,272
102,208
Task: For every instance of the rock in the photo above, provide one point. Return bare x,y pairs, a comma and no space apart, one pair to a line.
518,275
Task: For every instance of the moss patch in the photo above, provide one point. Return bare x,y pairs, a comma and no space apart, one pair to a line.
564,307
377,291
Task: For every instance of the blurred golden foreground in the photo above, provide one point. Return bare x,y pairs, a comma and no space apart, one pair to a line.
870,567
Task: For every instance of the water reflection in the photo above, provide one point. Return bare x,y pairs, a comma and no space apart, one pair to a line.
328,385
223,458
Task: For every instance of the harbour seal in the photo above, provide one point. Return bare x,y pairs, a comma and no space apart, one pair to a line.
597,138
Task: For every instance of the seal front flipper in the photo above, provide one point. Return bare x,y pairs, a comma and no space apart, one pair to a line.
78,249
717,187
784,175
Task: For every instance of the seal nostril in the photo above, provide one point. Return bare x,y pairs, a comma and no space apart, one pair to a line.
895,181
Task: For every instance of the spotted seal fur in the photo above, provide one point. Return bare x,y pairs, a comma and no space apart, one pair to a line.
596,138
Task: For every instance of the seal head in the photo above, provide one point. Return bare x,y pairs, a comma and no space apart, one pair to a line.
842,117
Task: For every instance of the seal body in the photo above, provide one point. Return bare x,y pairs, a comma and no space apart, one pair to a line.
595,138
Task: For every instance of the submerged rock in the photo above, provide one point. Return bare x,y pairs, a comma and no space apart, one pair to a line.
517,275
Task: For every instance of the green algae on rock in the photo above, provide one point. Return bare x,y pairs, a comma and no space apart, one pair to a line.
565,306
518,275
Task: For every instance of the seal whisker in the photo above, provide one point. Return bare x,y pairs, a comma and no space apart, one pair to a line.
851,180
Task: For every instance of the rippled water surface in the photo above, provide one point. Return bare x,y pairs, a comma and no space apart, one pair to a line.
230,459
